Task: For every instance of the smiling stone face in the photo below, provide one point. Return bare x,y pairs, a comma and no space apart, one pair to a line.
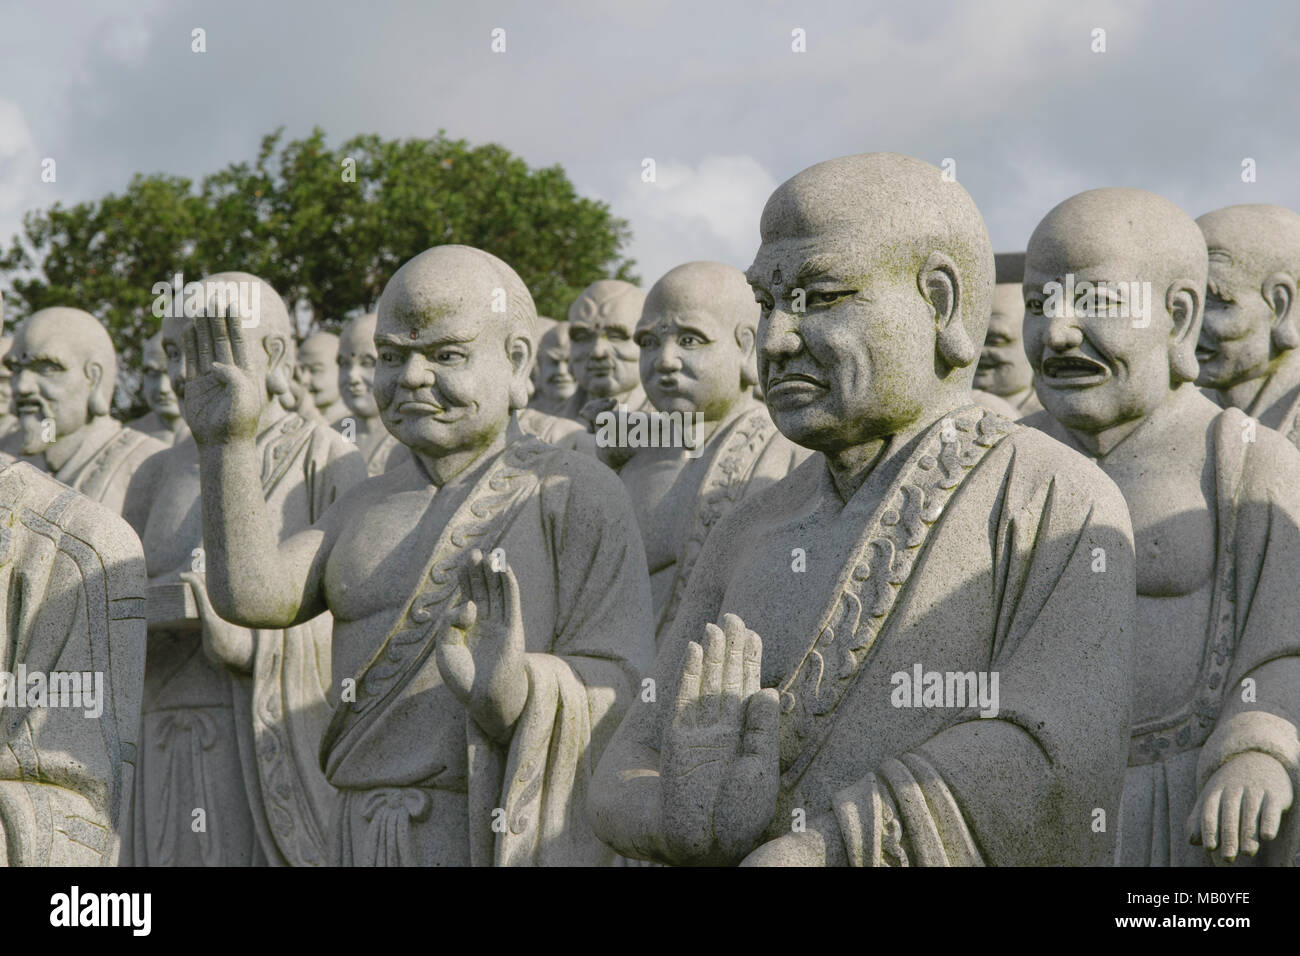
450,368
1095,370
874,278
356,366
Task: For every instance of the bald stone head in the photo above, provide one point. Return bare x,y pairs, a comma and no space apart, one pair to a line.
1251,321
156,384
264,319
356,371
318,359
1114,289
455,335
602,321
875,277
64,370
696,337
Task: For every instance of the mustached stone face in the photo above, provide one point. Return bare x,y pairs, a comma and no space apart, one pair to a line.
1003,367
50,384
442,382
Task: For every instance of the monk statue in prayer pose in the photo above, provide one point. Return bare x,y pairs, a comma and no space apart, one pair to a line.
1248,352
233,716
826,693
1215,501
491,605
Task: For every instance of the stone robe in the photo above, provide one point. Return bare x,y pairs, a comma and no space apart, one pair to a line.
379,448
71,600
744,454
104,462
971,554
421,784
240,745
1250,632
153,426
1277,405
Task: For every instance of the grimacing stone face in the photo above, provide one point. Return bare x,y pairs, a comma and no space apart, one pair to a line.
554,369
602,321
1095,371
447,362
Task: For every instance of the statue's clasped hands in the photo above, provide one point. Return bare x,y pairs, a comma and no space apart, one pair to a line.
720,758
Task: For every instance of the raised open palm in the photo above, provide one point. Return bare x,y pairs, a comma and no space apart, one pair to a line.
224,392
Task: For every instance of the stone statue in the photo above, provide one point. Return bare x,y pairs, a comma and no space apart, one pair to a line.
1215,503
696,338
233,716
164,420
555,381
71,661
490,599
1248,347
930,543
356,373
318,364
1003,367
64,369
11,433
605,359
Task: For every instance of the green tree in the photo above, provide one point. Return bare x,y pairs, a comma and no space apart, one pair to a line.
326,227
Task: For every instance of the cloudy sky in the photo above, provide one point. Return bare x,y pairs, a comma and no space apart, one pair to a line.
1010,90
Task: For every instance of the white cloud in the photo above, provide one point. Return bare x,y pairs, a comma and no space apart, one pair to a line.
706,211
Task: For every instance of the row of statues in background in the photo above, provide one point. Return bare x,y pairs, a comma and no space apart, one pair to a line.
967,560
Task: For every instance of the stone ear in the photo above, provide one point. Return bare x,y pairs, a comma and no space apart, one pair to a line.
749,365
99,404
1279,290
1185,303
940,285
520,350
278,371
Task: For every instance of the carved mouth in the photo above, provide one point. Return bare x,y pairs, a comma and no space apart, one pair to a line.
1072,370
420,408
1205,353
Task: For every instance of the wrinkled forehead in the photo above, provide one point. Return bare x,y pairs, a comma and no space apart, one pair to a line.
621,310
673,315
787,262
45,336
436,313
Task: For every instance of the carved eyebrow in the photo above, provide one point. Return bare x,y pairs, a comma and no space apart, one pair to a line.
399,342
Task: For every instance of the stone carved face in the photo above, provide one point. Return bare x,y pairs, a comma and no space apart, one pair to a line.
157,383
1003,366
447,364
554,370
696,337
1095,371
854,364
318,358
601,324
54,379
1235,341
356,366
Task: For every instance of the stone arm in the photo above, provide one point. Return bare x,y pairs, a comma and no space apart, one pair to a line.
253,579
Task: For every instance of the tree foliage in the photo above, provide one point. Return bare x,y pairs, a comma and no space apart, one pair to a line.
326,227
